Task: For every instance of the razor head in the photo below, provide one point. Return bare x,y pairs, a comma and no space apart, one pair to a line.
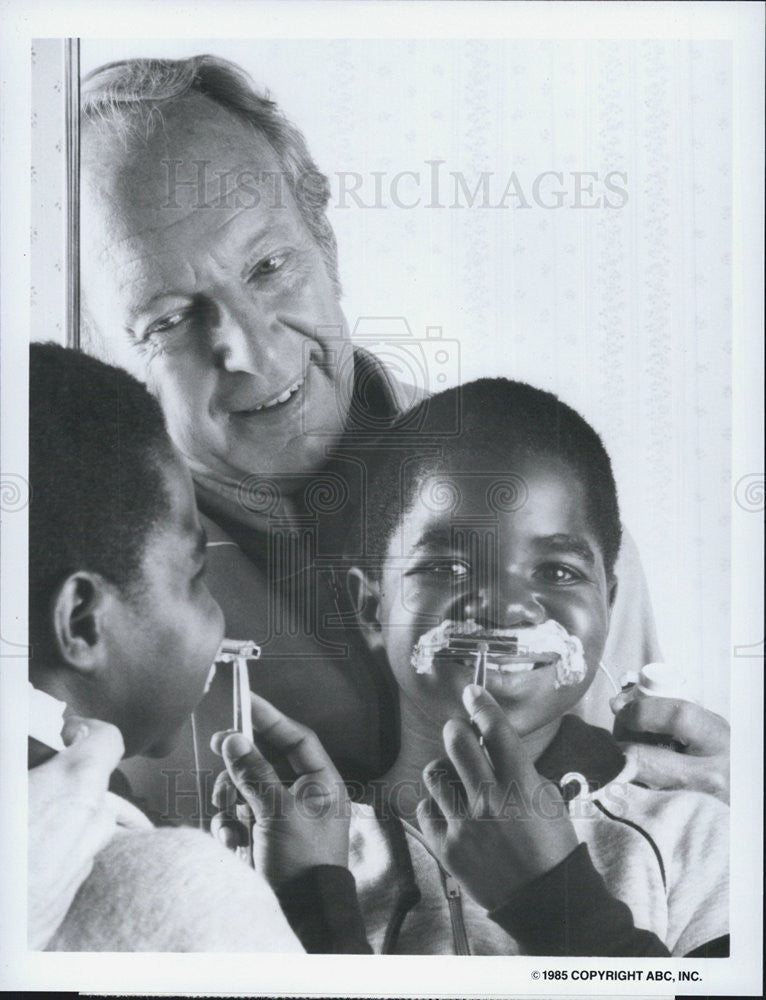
494,648
238,652
231,650
476,643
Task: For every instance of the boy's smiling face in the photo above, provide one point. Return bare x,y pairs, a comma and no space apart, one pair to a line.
538,559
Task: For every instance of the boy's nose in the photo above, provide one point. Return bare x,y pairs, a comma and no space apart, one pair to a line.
507,605
521,611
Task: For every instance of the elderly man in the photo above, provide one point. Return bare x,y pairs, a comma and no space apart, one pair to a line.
209,271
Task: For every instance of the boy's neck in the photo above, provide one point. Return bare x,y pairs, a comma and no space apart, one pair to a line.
421,742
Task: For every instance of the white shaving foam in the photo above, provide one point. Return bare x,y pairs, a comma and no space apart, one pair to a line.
549,637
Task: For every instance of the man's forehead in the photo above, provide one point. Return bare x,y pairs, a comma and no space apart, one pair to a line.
197,155
146,217
192,122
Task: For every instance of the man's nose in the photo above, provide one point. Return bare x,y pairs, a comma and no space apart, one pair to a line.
243,339
509,602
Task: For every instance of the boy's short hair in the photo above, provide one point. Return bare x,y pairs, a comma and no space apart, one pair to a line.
501,420
97,440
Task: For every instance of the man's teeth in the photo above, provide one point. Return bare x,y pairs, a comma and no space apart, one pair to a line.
283,398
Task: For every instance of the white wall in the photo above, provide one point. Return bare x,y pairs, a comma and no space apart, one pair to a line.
624,312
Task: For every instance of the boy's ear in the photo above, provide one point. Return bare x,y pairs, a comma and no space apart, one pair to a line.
80,609
365,599
611,592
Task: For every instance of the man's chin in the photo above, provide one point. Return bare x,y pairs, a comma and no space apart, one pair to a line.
295,459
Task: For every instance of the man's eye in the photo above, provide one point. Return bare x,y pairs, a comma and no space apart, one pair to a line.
166,323
269,265
558,573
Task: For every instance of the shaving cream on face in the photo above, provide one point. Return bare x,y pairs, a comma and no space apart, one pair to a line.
431,642
546,638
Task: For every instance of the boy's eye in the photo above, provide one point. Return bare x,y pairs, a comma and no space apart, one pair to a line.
454,569
558,573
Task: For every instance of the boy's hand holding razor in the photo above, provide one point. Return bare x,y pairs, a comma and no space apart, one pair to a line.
494,826
296,827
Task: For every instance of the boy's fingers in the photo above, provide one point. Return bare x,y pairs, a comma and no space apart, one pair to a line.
445,788
255,779
216,740
510,760
224,794
465,753
661,768
701,731
299,744
619,701
655,766
432,823
228,831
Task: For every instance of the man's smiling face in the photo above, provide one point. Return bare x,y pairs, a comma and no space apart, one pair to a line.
199,273
503,569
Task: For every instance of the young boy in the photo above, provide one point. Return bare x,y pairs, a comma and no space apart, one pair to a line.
124,629
502,540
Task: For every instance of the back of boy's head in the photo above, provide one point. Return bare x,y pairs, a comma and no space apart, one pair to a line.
97,441
500,421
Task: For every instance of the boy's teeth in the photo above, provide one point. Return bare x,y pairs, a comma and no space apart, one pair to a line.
281,399
518,667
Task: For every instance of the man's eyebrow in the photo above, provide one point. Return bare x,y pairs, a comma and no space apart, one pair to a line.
561,543
262,242
250,250
146,305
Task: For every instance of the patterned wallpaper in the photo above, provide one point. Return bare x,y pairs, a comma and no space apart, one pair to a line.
623,310
48,201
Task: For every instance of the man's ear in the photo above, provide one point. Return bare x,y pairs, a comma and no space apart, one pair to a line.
365,599
79,617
